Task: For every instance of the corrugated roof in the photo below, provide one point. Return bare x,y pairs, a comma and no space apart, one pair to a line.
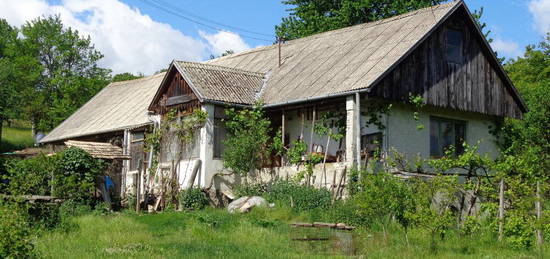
223,84
98,149
118,106
338,61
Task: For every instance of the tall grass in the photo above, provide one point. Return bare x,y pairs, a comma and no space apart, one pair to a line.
263,233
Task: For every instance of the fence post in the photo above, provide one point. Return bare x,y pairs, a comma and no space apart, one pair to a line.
501,210
137,182
540,239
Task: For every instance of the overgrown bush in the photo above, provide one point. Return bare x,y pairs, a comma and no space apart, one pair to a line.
299,197
193,199
382,197
15,233
75,174
30,176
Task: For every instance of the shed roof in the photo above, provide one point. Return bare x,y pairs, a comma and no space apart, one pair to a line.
341,60
98,149
118,106
218,83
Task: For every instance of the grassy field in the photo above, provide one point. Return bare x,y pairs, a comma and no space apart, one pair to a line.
15,138
263,233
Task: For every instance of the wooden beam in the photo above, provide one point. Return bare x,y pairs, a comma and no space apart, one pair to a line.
179,99
358,130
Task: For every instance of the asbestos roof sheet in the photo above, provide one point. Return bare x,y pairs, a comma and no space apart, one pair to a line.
222,83
118,106
98,149
336,61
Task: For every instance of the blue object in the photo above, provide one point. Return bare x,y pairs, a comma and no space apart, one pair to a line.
109,183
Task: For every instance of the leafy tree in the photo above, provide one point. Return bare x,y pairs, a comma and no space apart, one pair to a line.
248,140
531,75
125,77
68,70
8,88
309,17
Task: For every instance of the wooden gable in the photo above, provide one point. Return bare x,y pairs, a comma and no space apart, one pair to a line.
174,93
475,82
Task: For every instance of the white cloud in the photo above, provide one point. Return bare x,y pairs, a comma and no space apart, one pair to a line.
509,49
131,41
540,9
224,40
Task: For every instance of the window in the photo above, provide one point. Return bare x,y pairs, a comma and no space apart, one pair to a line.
136,150
219,131
445,133
453,45
372,143
219,137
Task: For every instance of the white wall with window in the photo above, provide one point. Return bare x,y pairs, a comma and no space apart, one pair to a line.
441,129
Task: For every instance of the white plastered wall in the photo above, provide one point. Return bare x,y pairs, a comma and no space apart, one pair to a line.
401,131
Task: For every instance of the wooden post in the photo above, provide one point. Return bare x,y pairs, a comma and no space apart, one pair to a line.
138,187
283,136
302,129
358,130
312,131
501,210
540,239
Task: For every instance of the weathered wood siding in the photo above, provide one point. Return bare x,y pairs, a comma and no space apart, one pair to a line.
176,94
474,84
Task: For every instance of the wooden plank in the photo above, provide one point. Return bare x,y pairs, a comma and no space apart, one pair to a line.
179,99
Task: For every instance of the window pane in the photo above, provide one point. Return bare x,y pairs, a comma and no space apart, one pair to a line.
434,138
453,46
445,133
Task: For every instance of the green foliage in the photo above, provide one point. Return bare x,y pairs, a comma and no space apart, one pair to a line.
382,197
193,199
57,71
309,17
251,189
299,197
297,151
126,76
432,200
15,234
531,75
248,137
9,90
76,174
30,176
418,102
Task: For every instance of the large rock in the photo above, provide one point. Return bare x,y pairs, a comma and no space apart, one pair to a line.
244,204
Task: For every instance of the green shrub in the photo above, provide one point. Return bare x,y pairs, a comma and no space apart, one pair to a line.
30,176
299,197
193,199
75,174
15,234
381,197
258,189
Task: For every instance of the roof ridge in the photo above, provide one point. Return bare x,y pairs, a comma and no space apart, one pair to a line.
344,29
136,80
219,67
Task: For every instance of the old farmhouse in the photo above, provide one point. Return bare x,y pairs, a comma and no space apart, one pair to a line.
436,56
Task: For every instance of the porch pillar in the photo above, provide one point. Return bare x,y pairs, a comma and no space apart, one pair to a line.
351,128
206,141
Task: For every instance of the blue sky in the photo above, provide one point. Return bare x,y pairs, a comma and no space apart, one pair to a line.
138,37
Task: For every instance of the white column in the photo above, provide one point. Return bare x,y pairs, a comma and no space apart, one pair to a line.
351,128
207,147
